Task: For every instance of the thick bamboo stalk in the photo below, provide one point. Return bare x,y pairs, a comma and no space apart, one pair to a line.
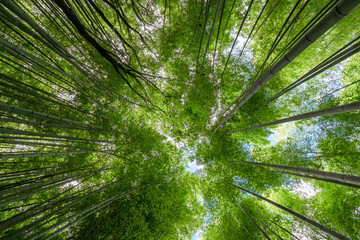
253,221
40,115
326,175
28,133
297,215
279,226
46,154
210,34
322,179
325,112
28,227
22,14
267,226
23,196
86,212
248,233
342,9
328,63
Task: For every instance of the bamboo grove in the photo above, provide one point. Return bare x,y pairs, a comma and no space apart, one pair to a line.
105,102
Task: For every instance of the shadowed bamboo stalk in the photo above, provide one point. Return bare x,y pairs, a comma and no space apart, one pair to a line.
248,233
333,60
210,34
297,215
267,226
325,112
25,155
21,231
253,221
322,179
28,133
342,9
79,216
278,226
326,175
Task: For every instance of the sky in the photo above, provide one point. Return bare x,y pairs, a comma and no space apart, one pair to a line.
197,235
284,131
193,167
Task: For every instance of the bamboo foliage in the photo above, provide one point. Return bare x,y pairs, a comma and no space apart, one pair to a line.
326,175
342,9
305,219
345,52
103,103
325,112
257,225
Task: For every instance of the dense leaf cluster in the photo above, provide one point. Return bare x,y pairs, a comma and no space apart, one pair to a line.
104,103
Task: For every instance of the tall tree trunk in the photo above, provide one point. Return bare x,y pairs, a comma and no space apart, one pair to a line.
207,9
278,226
24,229
343,53
323,174
222,231
28,133
325,112
210,34
267,226
248,233
342,9
297,215
40,115
26,155
237,35
251,219
79,215
322,179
